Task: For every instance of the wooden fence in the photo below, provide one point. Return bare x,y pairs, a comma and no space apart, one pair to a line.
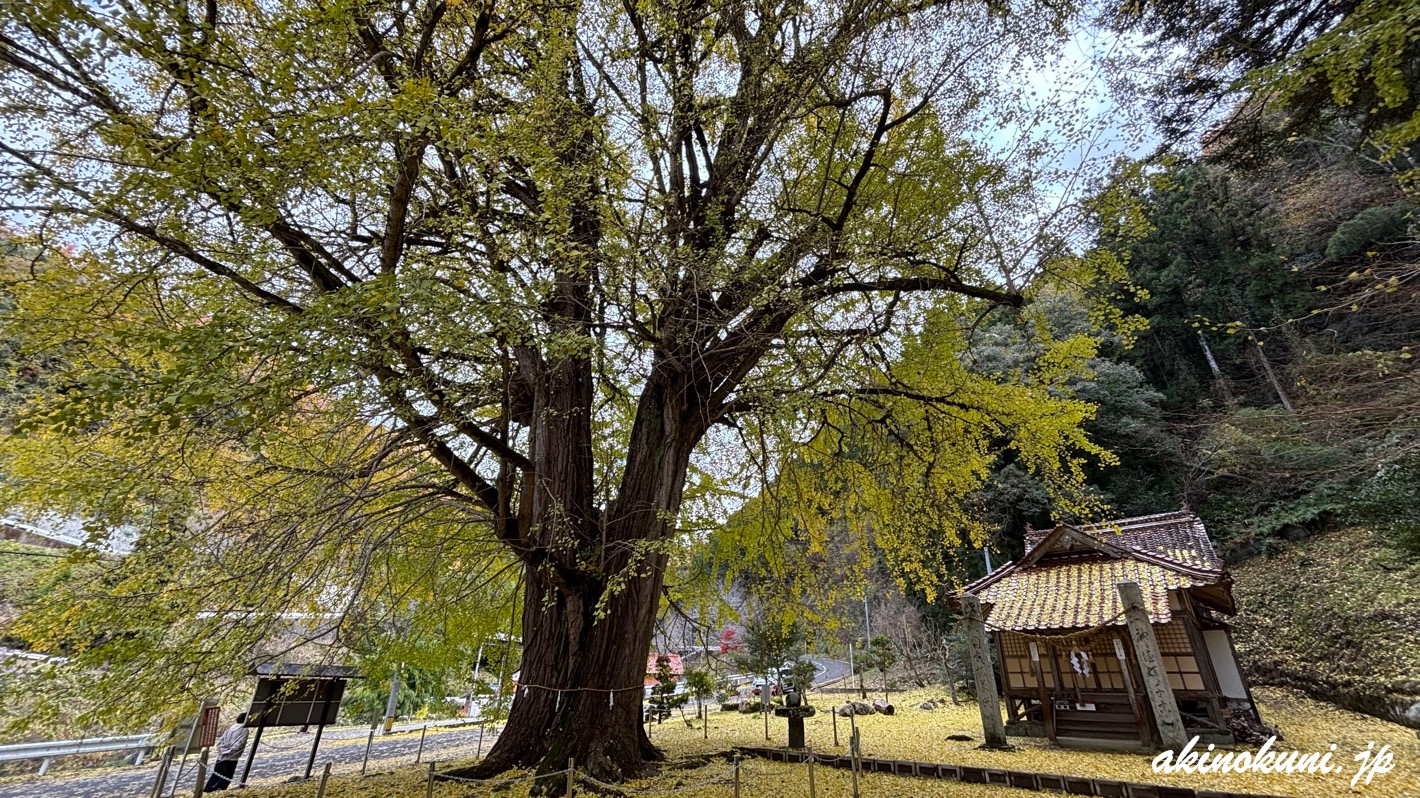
1069,785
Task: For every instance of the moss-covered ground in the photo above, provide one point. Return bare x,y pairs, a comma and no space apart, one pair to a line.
1336,616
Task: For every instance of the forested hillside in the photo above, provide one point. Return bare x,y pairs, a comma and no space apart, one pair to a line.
1335,616
1280,302
1267,382
1274,391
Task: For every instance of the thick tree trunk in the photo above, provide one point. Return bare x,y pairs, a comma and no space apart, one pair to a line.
580,687
589,611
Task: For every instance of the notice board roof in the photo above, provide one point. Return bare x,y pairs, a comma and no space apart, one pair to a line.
296,670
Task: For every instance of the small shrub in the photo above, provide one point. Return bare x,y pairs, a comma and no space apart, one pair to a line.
1372,226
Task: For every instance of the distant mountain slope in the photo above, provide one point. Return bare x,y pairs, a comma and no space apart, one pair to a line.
1337,617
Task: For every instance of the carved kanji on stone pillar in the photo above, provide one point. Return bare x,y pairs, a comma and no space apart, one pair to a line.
1151,667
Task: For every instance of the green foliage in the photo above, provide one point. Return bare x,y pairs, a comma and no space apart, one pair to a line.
664,691
1389,502
1369,227
1240,327
891,472
24,372
1363,64
1211,274
768,643
257,582
879,655
1291,67
801,675
1270,472
421,694
1137,477
701,683
25,571
390,318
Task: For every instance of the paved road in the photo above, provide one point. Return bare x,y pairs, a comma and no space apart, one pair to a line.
279,758
283,755
829,670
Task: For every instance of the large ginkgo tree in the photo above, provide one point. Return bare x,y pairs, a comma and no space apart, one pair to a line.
499,282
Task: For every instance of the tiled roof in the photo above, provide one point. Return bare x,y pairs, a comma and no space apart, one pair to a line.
1180,537
1077,594
1070,582
676,665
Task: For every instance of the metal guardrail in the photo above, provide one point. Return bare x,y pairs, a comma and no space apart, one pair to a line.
94,745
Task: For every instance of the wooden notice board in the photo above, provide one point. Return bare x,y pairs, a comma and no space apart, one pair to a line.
295,702
211,716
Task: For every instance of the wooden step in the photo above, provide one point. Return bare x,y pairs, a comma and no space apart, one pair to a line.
1084,735
1108,724
1114,725
1096,716
1082,729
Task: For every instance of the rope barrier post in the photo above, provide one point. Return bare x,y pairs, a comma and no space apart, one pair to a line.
324,777
811,773
162,776
201,774
482,727
853,752
420,752
369,741
737,776
835,727
429,786
571,774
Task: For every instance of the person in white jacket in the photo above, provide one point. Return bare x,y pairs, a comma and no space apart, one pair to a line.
229,750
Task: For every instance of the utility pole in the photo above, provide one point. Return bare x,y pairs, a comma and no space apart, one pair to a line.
393,704
477,663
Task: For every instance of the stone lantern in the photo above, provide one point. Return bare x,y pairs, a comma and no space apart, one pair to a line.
795,710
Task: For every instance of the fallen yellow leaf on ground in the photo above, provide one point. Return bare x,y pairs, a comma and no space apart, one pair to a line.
700,768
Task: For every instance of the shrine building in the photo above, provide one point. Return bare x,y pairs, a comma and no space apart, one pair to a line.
1067,664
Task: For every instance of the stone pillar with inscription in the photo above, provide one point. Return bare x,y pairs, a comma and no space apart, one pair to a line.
979,649
1151,667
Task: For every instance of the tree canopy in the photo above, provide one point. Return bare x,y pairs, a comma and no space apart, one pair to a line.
389,311
1303,63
